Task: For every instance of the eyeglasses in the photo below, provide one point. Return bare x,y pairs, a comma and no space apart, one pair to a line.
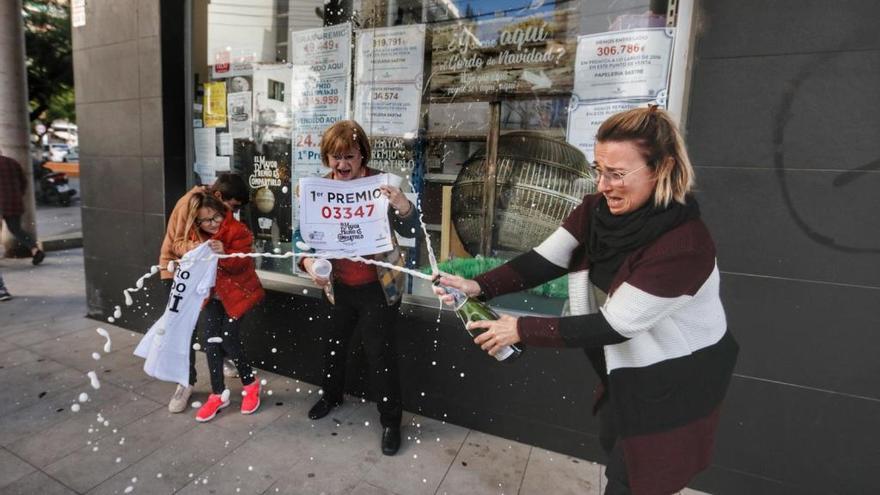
614,178
215,219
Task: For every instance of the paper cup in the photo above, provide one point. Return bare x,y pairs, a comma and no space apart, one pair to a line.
322,268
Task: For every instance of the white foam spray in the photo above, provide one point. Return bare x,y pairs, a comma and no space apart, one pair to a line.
93,380
108,346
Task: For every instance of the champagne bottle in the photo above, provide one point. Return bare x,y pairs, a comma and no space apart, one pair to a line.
469,309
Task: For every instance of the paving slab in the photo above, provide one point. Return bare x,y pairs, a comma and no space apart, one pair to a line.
428,449
116,406
29,334
91,465
486,464
36,483
168,469
12,468
551,472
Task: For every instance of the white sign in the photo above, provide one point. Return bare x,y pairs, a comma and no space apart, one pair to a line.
239,111
78,13
325,51
388,110
584,120
394,54
623,64
345,216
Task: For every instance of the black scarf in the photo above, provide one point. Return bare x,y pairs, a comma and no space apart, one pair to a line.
614,237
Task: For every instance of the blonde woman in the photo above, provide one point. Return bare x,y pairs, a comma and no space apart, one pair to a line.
645,301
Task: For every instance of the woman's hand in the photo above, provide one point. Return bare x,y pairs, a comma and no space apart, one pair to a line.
216,246
397,200
319,281
469,287
499,333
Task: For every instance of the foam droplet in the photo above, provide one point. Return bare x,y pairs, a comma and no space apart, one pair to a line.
128,300
74,408
93,377
196,404
110,319
171,266
83,397
96,356
108,346
117,312
154,269
197,346
215,340
225,395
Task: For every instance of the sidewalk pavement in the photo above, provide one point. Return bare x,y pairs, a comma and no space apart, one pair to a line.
123,439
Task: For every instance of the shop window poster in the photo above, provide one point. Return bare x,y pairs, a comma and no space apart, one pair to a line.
527,51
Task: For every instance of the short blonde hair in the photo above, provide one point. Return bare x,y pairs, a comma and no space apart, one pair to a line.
343,136
657,137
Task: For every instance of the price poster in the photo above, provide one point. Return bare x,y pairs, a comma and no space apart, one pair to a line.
389,69
584,120
325,51
623,64
614,72
345,216
394,54
321,90
389,110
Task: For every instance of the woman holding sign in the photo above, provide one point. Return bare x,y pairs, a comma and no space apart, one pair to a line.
658,337
366,298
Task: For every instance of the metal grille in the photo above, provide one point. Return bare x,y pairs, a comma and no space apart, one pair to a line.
539,181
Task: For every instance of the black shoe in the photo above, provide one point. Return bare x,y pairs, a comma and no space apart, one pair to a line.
321,408
38,257
390,440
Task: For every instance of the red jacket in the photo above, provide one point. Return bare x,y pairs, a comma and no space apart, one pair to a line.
237,284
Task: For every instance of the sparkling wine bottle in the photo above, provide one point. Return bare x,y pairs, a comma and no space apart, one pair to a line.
469,309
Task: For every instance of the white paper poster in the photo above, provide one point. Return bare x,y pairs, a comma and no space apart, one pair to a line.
239,109
394,54
614,72
389,110
78,13
325,51
584,120
623,64
345,216
320,88
388,72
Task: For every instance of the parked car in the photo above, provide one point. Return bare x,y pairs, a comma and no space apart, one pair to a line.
72,154
55,152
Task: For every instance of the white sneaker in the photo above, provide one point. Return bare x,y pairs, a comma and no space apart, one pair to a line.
229,369
180,399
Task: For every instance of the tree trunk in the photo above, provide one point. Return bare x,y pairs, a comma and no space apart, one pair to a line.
14,135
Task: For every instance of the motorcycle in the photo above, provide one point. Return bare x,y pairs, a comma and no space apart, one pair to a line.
53,188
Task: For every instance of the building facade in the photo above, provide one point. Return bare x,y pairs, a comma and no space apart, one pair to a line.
780,119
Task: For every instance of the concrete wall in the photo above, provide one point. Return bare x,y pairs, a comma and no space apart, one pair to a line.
783,128
118,78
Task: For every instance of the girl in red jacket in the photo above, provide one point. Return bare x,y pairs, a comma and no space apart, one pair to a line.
236,290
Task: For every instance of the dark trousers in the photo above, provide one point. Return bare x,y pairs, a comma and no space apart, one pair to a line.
13,222
166,283
363,310
219,324
617,481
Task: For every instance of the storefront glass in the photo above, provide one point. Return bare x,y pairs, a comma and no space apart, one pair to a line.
485,108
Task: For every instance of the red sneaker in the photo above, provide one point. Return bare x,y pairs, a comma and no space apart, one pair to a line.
250,401
209,410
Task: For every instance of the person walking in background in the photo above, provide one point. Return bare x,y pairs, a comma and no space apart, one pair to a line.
4,294
233,192
366,298
658,336
13,184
